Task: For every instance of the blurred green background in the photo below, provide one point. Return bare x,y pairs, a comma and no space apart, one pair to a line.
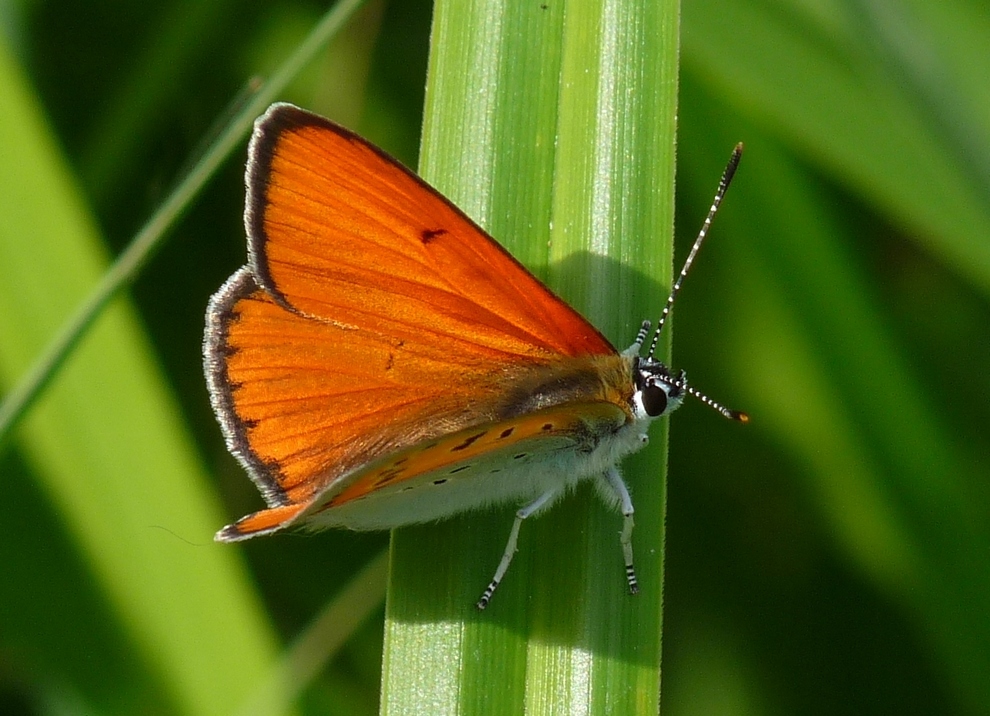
831,557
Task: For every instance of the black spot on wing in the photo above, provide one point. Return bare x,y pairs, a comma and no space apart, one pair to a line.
467,443
429,235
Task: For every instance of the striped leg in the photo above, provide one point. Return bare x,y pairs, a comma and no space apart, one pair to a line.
510,547
615,485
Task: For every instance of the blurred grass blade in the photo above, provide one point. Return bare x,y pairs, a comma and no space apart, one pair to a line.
325,635
108,446
151,85
553,126
913,62
152,234
810,73
885,473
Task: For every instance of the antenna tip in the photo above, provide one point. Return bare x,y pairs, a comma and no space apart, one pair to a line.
739,416
739,148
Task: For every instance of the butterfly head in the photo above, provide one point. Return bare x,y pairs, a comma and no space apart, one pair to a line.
658,392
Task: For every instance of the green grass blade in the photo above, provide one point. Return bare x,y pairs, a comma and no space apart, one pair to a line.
816,77
833,386
553,126
315,646
153,233
108,448
149,89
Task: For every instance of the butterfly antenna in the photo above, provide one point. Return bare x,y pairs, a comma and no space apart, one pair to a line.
736,415
723,186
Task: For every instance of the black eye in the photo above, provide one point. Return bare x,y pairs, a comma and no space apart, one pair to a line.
654,399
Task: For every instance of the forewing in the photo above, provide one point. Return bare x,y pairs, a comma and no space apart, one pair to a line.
341,231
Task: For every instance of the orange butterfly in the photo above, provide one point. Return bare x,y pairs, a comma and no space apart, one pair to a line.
381,361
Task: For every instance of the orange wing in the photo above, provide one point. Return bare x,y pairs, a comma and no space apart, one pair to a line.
373,314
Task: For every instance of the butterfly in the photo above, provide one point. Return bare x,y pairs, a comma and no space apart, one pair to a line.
381,361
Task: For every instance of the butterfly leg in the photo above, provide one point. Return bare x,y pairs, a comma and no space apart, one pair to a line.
510,547
617,487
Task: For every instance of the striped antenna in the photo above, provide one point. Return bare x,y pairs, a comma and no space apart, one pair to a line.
736,415
723,186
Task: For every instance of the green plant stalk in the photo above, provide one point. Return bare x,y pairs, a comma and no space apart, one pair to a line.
553,126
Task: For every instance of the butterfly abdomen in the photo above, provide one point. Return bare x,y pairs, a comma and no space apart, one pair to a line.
509,463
